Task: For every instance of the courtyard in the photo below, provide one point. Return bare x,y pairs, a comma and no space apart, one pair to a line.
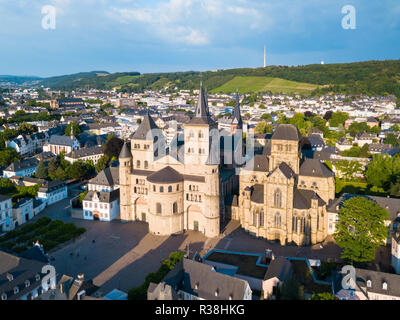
120,255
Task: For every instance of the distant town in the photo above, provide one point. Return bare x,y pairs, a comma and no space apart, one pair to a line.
126,196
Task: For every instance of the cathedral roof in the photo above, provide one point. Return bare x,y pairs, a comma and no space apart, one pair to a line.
286,170
315,168
165,175
287,132
260,163
257,194
145,129
302,199
237,118
201,115
108,177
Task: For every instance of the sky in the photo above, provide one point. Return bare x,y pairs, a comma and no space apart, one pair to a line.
183,35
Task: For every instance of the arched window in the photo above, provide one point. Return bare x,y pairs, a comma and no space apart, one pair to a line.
161,189
303,224
138,164
159,208
177,187
261,217
175,207
170,189
146,164
369,284
384,286
154,187
294,224
278,198
277,220
254,218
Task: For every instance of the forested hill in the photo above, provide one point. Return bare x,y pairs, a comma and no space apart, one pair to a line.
369,77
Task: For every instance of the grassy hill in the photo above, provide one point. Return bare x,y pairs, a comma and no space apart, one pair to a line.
262,84
368,77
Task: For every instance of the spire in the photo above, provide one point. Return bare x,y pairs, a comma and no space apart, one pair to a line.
72,130
202,114
125,152
237,118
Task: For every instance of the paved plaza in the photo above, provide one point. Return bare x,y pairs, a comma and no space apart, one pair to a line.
120,255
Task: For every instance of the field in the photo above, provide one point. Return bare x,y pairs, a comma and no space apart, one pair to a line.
262,84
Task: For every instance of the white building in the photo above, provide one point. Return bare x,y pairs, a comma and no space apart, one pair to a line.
23,168
84,154
52,192
58,144
22,211
103,206
6,215
106,181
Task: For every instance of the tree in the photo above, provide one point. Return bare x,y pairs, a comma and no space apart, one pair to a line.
8,156
26,128
338,118
102,163
323,296
6,186
77,129
382,170
42,171
113,147
263,127
391,139
361,229
290,290
60,174
348,169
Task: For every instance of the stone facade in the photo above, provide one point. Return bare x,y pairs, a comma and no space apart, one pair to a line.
283,197
170,194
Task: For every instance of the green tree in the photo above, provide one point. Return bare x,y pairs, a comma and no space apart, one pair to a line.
8,156
26,128
323,296
338,118
361,229
290,290
60,174
77,129
391,139
113,146
382,170
348,169
6,186
102,163
42,171
264,127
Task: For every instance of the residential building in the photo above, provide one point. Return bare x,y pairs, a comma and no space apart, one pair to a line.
52,192
106,181
22,278
85,154
192,280
103,206
6,214
22,168
58,144
22,211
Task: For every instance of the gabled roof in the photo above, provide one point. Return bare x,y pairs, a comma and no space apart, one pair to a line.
315,168
61,140
105,197
108,177
280,268
286,132
23,165
144,132
302,199
165,175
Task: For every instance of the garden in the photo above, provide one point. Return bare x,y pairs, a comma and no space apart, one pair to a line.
49,233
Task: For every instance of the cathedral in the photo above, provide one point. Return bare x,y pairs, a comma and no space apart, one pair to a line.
178,189
276,195
282,196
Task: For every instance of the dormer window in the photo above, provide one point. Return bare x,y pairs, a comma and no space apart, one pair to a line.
37,277
384,286
16,290
196,286
230,297
216,293
4,296
369,283
27,283
10,277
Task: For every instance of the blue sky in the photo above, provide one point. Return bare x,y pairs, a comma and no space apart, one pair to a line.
178,35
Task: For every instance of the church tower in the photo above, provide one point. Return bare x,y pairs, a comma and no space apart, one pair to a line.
237,122
198,134
125,168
